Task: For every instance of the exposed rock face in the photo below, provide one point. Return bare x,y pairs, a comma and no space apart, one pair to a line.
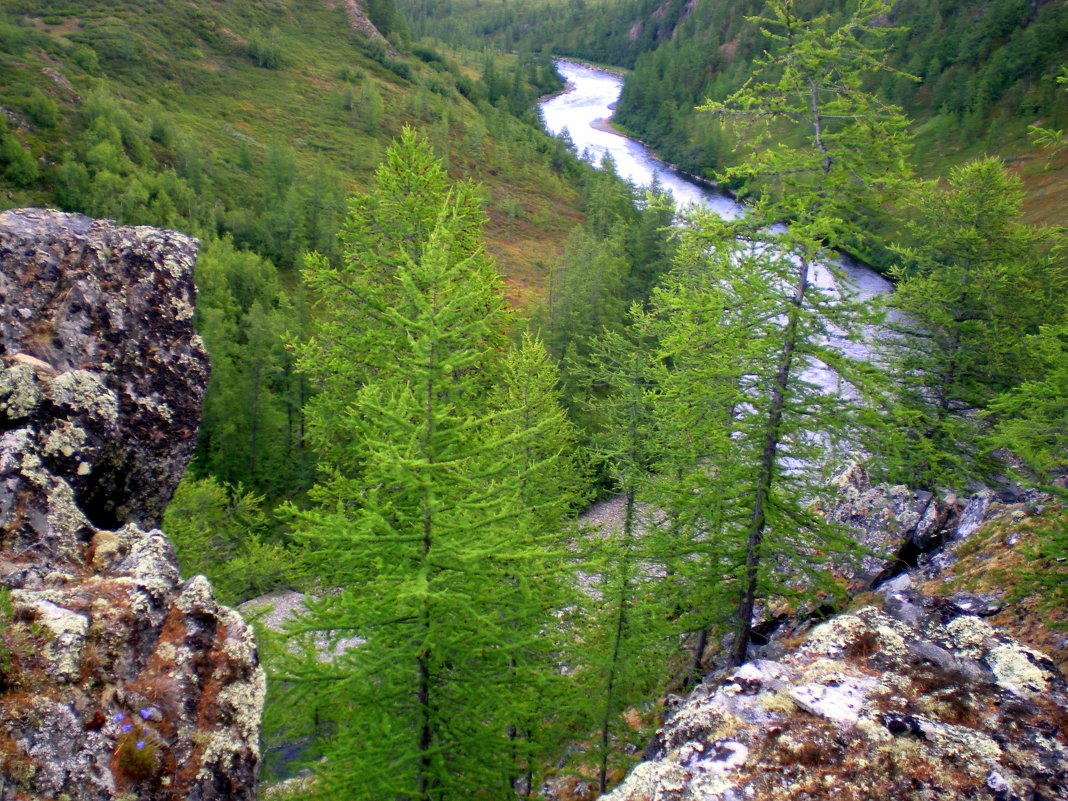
116,678
108,311
870,707
923,699
890,522
359,20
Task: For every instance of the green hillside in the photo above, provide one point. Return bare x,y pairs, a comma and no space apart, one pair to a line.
250,125
971,75
257,120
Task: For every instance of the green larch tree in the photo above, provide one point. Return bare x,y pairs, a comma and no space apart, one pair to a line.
242,314
549,474
622,654
845,150
414,533
976,283
1032,422
704,351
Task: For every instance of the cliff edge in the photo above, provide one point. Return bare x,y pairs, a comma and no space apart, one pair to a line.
918,692
117,679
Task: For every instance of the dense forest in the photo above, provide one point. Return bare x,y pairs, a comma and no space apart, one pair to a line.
437,334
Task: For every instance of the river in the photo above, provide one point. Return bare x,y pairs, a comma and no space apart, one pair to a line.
589,100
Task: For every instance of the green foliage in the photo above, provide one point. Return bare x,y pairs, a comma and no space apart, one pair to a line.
624,647
6,646
1048,138
705,349
251,429
849,152
18,163
369,108
20,645
1032,417
610,261
177,87
414,532
979,66
220,531
173,132
385,17
264,50
976,286
42,109
548,469
1032,422
585,291
86,59
600,31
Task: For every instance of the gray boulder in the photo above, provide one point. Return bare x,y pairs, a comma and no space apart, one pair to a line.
116,678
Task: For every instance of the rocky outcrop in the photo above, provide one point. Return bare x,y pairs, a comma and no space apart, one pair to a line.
359,21
117,680
923,693
892,524
936,704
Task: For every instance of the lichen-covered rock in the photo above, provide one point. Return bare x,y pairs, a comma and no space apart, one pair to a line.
117,680
105,314
888,522
869,707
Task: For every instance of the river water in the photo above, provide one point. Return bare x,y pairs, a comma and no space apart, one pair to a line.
589,100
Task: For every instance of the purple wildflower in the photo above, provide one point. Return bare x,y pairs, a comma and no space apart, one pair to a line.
127,726
140,744
146,714
119,716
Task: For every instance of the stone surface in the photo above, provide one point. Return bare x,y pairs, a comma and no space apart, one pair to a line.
868,707
359,21
889,522
117,680
108,311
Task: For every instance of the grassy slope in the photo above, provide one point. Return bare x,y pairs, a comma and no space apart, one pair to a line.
188,57
1044,177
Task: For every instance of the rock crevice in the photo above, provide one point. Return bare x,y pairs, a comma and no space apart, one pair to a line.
916,698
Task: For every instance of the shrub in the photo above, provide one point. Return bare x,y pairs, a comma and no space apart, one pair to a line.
42,109
85,58
13,39
19,165
265,51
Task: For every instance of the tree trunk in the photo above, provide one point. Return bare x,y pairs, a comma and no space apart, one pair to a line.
765,473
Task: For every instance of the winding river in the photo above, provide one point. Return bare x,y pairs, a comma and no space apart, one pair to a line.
589,100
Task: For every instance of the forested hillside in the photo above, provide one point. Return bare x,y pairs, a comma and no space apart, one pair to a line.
256,120
606,31
972,76
249,125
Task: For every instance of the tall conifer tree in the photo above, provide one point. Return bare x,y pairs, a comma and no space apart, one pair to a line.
977,283
413,535
623,652
848,149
